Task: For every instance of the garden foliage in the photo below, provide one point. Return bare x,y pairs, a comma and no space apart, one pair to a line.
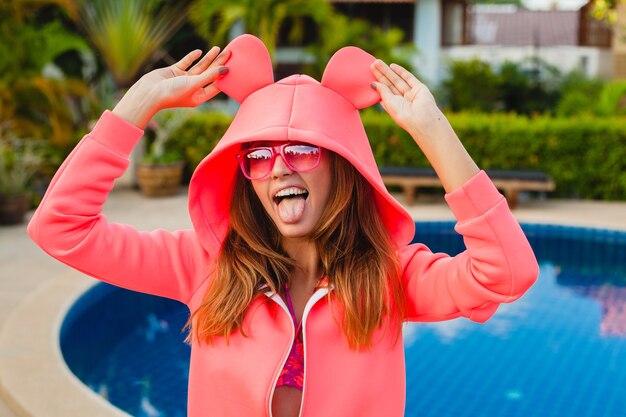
214,20
37,98
527,87
52,82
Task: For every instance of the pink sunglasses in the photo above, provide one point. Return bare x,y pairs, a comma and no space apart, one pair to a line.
256,163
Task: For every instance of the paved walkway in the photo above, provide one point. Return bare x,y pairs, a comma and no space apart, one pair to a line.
35,290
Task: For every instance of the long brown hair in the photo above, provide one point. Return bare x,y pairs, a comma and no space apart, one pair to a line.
356,252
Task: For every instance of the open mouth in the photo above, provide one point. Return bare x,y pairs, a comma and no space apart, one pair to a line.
290,193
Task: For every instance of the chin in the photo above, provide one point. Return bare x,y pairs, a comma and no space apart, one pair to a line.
294,231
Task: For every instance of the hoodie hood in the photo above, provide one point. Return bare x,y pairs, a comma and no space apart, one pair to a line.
296,108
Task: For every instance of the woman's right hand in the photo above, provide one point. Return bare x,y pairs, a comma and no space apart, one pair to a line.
179,85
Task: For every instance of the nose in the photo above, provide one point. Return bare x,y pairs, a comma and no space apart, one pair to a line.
280,168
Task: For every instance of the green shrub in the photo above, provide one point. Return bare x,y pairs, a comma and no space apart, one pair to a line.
586,157
473,86
528,87
579,95
612,99
575,103
199,135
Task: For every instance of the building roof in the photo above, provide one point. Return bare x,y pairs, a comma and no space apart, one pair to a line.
510,26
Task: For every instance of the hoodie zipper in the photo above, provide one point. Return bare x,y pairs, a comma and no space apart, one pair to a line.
318,295
282,304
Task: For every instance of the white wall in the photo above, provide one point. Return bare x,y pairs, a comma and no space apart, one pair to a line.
594,62
427,39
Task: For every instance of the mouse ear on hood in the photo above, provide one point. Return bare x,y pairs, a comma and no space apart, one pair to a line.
249,68
348,73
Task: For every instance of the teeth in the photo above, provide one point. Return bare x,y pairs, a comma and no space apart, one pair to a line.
290,191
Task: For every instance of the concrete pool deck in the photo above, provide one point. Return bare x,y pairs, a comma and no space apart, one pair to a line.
36,291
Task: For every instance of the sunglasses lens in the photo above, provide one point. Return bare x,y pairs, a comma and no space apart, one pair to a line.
256,163
302,157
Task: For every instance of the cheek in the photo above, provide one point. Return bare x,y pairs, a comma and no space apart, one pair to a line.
325,191
325,180
260,189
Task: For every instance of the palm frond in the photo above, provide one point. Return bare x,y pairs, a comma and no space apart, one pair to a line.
129,33
213,19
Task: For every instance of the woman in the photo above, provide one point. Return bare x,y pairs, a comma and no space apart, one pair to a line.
298,271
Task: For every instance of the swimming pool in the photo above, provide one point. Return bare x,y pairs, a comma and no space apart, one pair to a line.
558,351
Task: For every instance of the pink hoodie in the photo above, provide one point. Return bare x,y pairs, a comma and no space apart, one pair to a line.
239,379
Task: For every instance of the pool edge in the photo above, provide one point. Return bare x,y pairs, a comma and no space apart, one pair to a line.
32,363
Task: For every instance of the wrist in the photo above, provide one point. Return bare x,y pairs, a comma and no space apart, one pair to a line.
135,108
433,131
429,123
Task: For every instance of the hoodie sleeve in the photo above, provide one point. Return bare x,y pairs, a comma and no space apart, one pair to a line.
69,225
498,265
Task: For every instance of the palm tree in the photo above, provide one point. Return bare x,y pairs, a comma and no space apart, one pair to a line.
37,100
340,31
214,19
129,33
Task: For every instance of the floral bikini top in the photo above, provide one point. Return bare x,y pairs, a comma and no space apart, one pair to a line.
293,372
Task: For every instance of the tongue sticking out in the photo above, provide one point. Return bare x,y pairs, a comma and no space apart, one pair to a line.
290,210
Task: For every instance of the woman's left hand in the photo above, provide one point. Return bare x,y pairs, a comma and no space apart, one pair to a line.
408,101
413,107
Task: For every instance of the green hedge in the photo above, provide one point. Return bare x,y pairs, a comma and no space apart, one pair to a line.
586,157
198,137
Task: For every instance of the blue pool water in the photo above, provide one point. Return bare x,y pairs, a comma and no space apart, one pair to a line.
558,351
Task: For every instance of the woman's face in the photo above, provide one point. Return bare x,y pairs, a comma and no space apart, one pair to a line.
294,200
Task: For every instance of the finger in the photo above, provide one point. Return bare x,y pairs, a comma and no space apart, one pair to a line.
188,59
205,94
392,76
222,58
386,81
205,61
406,75
382,79
208,76
386,94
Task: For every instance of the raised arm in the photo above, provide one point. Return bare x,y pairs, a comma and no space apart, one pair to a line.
69,224
412,106
499,264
